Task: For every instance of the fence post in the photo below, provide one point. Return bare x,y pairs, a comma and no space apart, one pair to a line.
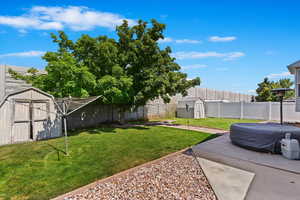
270,111
242,110
219,109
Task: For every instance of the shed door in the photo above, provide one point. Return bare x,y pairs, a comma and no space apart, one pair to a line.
30,120
21,122
40,119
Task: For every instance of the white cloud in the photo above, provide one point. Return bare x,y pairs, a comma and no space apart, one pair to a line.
194,66
280,75
29,22
179,41
195,55
73,17
251,91
233,55
165,40
222,39
188,41
23,54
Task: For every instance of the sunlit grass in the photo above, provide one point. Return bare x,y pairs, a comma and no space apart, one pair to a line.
40,170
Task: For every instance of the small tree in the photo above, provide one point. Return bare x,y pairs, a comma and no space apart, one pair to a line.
127,72
264,92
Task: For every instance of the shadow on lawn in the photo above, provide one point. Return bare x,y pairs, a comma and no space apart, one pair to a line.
210,137
58,151
105,129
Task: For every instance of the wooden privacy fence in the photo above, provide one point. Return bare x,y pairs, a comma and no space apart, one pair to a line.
94,114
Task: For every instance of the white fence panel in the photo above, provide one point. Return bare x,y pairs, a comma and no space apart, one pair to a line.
211,109
254,110
257,110
289,113
275,112
231,110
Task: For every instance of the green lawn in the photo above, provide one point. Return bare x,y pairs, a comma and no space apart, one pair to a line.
36,170
220,123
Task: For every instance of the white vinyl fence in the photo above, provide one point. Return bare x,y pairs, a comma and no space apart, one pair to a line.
252,110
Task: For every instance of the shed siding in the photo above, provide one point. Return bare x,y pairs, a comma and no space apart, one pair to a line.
5,113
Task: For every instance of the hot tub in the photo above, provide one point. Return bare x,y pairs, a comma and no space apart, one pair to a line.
263,137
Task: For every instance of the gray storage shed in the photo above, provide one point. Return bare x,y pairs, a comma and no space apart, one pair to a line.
190,108
27,115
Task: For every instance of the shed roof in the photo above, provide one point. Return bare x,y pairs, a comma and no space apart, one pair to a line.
24,90
188,101
293,66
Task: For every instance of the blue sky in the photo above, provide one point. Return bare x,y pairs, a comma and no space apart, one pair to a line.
230,45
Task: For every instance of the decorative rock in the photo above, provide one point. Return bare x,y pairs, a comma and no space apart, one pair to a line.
176,177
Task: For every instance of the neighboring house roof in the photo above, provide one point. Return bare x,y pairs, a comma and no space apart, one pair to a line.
9,84
190,99
218,100
293,66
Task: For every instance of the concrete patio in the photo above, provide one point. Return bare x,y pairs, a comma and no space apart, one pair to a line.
275,177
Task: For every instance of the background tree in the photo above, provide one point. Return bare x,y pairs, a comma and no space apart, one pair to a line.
127,72
286,83
264,89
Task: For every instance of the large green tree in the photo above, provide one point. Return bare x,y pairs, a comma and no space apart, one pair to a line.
127,72
264,88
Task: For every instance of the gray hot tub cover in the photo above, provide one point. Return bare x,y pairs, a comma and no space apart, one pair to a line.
260,136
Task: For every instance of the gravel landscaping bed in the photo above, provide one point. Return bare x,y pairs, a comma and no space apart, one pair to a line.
174,177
